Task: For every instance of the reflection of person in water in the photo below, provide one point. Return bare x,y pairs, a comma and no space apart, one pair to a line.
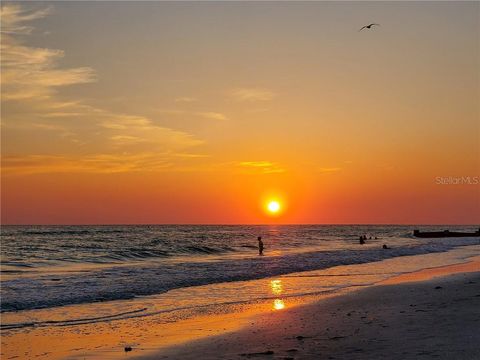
260,245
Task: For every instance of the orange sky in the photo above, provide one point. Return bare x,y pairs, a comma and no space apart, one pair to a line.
122,112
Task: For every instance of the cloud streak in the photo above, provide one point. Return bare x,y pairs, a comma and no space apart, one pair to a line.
93,163
32,78
265,167
30,72
13,16
202,114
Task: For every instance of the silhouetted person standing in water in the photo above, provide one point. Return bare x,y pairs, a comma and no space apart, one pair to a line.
260,245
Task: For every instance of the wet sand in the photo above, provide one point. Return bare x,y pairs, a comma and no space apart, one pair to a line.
438,318
401,317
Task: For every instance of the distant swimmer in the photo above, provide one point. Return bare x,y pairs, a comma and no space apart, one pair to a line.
362,239
260,245
385,246
368,26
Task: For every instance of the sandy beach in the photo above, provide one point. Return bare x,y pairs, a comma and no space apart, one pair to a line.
430,319
421,312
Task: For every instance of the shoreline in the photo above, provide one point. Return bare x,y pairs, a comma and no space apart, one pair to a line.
438,319
157,335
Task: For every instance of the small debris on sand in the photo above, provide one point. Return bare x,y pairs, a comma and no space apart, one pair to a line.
268,352
301,337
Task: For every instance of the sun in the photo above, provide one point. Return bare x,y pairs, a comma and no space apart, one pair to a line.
273,206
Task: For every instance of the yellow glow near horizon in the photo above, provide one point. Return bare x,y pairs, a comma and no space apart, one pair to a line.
274,207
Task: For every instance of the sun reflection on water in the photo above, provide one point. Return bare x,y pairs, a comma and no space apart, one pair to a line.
278,304
277,289
276,286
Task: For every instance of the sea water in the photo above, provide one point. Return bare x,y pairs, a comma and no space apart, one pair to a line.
51,266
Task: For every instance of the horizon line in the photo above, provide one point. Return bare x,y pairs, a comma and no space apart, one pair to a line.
248,224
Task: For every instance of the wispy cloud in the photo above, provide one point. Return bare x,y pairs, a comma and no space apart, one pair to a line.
212,115
252,94
30,72
265,167
141,132
189,114
31,80
101,163
93,163
13,16
126,139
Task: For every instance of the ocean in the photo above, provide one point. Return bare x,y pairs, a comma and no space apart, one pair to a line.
46,267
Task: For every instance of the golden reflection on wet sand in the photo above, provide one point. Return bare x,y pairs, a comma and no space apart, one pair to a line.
278,304
277,289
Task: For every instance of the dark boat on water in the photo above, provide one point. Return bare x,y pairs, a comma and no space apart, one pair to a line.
444,234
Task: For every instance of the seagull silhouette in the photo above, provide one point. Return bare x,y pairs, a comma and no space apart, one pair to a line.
369,26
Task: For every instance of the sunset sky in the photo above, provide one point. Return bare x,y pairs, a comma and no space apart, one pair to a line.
163,112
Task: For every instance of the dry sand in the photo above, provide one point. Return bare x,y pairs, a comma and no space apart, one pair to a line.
432,319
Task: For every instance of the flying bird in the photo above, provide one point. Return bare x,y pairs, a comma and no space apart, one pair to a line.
369,26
